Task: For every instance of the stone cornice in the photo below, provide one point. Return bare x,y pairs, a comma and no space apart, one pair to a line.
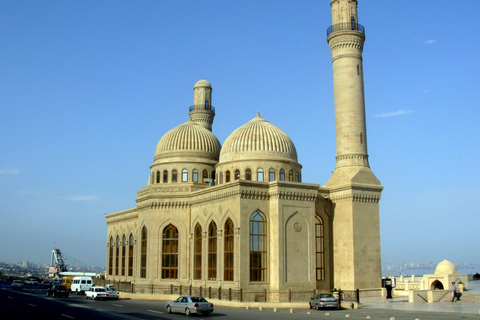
124,215
356,197
293,195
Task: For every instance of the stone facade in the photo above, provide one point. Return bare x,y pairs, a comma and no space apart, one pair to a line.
239,216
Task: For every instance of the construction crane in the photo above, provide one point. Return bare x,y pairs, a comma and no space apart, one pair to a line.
57,264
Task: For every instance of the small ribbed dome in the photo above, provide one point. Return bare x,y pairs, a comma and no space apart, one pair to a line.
189,139
446,267
256,139
202,83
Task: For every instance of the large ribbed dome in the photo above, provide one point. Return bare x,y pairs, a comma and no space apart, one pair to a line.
256,139
188,139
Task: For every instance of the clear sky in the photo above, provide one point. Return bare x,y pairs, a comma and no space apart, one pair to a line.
88,88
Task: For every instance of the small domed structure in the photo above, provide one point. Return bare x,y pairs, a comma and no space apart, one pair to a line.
202,83
445,267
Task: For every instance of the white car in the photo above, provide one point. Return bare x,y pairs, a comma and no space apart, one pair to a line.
96,293
16,284
112,292
32,281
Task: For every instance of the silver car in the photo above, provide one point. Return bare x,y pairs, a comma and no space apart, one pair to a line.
189,305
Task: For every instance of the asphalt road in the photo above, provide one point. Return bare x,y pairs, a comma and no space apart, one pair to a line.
32,303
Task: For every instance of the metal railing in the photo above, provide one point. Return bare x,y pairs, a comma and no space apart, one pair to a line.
345,27
201,107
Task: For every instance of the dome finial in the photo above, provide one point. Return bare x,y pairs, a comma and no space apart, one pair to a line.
258,113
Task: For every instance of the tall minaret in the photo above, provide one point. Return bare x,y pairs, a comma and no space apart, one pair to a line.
202,110
354,189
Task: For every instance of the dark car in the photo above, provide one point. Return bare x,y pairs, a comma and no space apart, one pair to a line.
45,284
10,279
58,291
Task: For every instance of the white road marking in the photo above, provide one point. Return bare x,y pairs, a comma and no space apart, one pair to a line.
117,305
155,311
32,305
9,297
69,317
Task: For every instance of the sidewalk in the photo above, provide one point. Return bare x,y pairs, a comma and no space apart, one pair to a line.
401,303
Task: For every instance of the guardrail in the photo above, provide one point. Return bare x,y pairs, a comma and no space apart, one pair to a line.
345,27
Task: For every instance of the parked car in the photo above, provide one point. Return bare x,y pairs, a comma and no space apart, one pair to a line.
10,279
323,300
16,284
96,293
58,291
112,292
56,282
45,284
189,305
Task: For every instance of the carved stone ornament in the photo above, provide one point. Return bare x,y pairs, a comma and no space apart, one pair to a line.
297,227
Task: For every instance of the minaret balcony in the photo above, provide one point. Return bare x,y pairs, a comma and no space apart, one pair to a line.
347,26
201,107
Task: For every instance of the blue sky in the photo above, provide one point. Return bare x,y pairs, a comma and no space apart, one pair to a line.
88,88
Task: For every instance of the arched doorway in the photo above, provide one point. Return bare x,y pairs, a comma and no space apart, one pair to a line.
436,285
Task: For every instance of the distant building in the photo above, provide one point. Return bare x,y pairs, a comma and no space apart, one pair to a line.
240,215
25,264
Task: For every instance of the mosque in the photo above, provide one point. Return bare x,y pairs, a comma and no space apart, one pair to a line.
239,215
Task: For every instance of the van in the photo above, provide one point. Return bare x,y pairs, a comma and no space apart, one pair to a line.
81,284
67,282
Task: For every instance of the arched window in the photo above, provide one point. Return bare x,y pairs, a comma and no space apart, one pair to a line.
213,175
353,23
227,176
282,175
260,174
297,177
165,176
319,248
195,175
197,259
174,175
228,250
204,176
237,174
158,176
152,179
117,255
221,177
258,247
271,173
110,257
143,254
170,253
184,175
130,256
124,251
248,174
290,175
212,251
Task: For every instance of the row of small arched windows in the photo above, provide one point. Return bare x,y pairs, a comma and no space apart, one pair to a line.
260,175
184,176
229,176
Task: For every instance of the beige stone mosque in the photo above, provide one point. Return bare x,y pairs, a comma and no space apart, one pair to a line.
239,215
